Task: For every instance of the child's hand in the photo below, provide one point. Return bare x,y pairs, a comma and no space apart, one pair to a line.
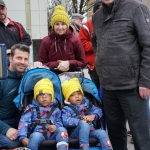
89,118
52,128
25,141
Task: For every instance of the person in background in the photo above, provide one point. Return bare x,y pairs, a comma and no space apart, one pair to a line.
85,34
52,129
61,49
120,40
76,22
11,32
9,114
83,126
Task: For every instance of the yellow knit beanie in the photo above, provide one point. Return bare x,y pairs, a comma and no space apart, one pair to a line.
60,14
70,86
44,86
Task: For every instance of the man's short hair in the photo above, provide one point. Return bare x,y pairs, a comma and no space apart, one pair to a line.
21,47
76,15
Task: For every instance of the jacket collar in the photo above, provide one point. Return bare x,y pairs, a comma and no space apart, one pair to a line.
113,8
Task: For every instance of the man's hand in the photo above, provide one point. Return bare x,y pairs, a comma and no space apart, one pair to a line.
52,128
144,92
63,65
37,64
25,141
89,118
12,133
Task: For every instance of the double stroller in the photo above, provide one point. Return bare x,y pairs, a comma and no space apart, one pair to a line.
25,97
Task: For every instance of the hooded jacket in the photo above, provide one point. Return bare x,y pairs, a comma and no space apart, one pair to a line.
28,119
13,33
65,47
121,42
8,91
70,118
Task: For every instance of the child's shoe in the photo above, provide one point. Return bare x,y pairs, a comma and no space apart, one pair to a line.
62,147
85,147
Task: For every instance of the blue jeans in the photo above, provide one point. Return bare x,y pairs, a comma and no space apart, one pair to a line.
4,140
60,135
82,131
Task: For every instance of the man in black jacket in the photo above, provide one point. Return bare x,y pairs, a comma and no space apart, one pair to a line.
121,41
11,32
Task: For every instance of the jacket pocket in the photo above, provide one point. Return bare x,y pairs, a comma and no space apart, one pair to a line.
130,66
119,24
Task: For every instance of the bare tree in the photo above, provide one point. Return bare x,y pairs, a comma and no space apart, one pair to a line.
72,6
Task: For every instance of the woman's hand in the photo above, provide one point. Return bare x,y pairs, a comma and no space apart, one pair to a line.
63,65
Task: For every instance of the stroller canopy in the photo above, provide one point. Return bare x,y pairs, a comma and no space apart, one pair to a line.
30,79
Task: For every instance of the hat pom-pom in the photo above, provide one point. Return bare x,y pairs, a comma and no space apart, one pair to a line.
59,7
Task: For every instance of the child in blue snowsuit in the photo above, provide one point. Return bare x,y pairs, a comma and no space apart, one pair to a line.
84,127
52,129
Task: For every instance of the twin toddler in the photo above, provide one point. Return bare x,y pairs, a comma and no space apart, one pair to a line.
41,120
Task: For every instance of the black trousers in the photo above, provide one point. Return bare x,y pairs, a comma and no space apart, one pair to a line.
94,77
120,105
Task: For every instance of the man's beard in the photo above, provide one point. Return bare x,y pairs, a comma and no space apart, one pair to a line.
2,18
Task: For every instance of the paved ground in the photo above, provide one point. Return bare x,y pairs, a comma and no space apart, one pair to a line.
130,146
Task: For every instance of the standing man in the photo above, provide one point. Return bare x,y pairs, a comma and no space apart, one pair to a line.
121,35
11,32
76,22
9,114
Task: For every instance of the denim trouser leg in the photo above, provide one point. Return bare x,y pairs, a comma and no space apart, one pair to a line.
82,132
103,139
34,140
6,142
61,136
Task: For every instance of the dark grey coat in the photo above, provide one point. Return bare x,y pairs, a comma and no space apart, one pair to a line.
121,41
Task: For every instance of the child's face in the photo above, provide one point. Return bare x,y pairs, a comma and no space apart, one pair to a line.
44,99
76,98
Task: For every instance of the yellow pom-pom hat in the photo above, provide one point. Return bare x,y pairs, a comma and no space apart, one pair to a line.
71,86
44,86
60,14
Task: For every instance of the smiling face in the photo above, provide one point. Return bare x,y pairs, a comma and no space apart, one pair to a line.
108,2
44,99
19,61
3,13
76,98
60,28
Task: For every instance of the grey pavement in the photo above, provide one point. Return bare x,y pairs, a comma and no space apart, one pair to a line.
130,145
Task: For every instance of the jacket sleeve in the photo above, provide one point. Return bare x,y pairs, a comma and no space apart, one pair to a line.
141,22
97,112
93,38
3,127
24,123
43,54
58,119
85,38
67,119
80,60
25,37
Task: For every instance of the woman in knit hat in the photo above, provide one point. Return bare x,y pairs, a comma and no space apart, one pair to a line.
51,128
83,125
61,49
